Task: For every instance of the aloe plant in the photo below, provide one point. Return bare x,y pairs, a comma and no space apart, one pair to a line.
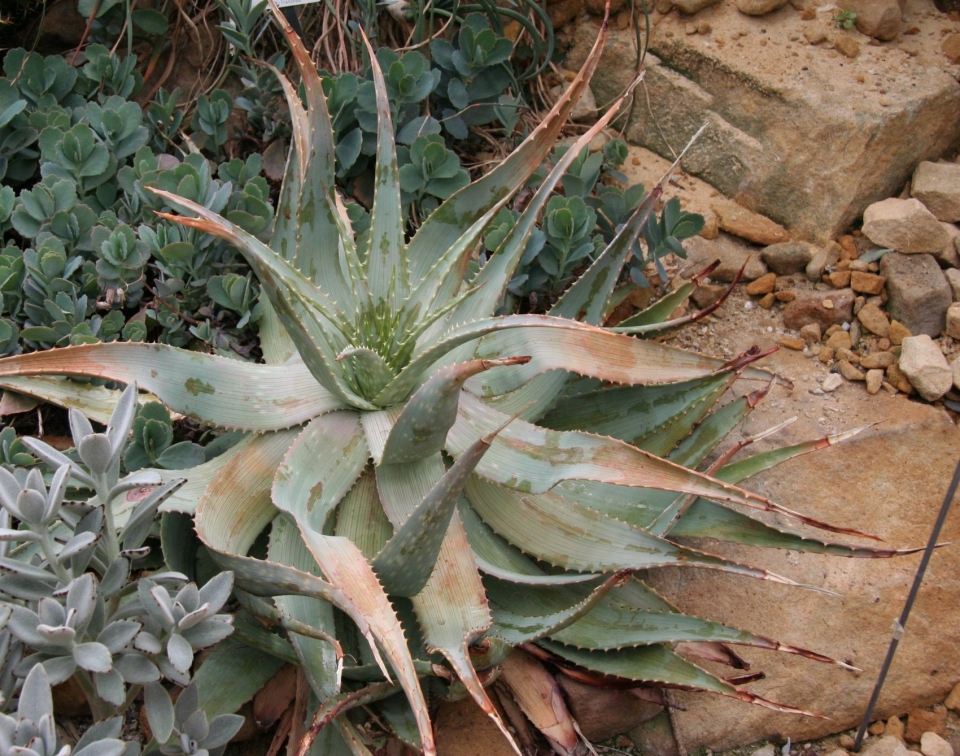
456,484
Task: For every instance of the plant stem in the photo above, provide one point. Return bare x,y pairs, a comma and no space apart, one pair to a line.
46,546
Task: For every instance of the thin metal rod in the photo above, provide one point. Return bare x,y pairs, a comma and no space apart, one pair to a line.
901,623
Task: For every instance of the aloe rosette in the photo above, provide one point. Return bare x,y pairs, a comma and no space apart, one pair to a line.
456,484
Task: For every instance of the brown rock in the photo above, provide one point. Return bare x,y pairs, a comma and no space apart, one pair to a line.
840,340
693,6
898,332
879,19
792,343
767,300
873,590
846,741
953,699
848,247
904,225
814,34
937,186
811,333
814,308
823,258
754,117
596,7
656,737
732,254
840,279
759,7
866,283
737,220
763,285
847,45
876,728
603,713
825,354
788,295
851,373
953,321
564,11
951,47
874,381
897,379
463,729
920,721
872,318
707,294
69,699
918,292
894,726
880,360
788,257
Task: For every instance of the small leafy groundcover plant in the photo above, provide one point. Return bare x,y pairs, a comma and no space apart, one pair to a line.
426,495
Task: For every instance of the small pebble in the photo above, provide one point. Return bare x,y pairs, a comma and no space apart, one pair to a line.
898,332
762,285
792,343
874,380
851,373
840,340
895,729
827,304
810,333
766,302
832,382
932,744
826,354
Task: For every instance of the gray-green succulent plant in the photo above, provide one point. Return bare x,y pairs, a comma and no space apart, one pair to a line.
456,484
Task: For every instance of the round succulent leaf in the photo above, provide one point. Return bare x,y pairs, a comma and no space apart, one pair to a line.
77,544
23,623
196,727
110,687
209,632
115,578
80,427
180,653
104,747
35,699
188,598
222,729
194,618
59,668
51,612
119,634
156,601
32,507
82,597
60,635
216,591
93,657
95,452
171,673
136,669
148,643
159,708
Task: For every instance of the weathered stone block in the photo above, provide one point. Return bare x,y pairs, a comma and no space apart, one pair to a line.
766,144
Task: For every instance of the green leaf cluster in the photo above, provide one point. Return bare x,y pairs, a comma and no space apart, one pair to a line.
77,157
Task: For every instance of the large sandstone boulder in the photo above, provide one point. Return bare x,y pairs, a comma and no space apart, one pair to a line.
791,134
889,481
